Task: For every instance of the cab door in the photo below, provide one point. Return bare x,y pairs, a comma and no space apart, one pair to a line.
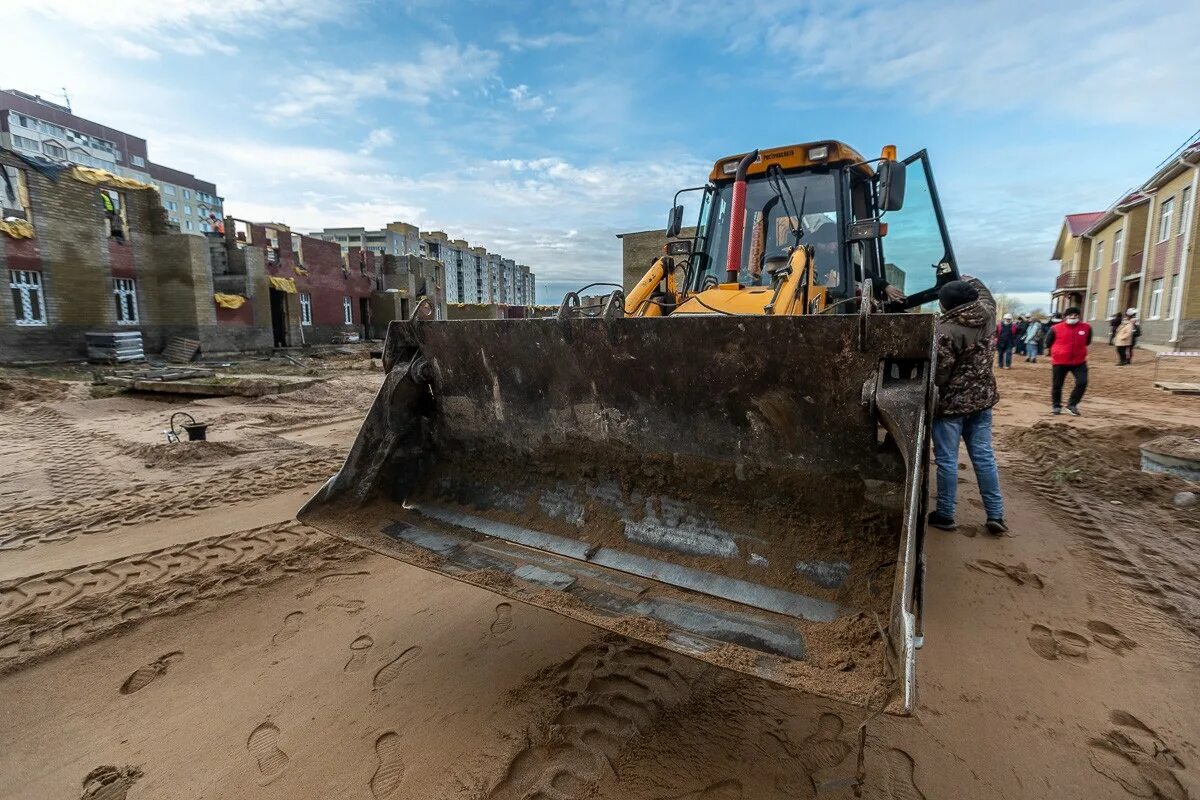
917,254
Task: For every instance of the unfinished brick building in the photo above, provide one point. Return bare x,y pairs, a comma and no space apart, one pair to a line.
85,250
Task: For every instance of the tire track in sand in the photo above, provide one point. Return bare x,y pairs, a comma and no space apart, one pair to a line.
617,692
66,517
43,613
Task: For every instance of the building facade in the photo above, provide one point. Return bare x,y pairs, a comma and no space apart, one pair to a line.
92,251
38,128
1140,253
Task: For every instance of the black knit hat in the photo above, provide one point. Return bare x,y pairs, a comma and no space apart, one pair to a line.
957,293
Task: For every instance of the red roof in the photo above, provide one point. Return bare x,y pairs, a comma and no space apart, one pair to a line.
1079,224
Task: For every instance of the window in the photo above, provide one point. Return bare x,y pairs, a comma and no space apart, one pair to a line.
1098,256
29,305
137,161
187,209
53,150
1185,208
25,144
306,308
188,224
348,310
14,195
125,298
171,205
1094,304
1156,289
168,190
187,195
1171,296
1112,303
204,226
1164,219
1117,238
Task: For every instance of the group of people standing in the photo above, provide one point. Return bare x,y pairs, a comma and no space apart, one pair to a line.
1025,336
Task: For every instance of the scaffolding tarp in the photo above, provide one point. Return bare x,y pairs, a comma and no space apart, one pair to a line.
229,300
17,228
98,177
283,284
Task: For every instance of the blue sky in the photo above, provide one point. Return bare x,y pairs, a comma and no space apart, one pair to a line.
540,130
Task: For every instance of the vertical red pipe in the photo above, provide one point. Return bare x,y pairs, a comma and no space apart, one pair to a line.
737,219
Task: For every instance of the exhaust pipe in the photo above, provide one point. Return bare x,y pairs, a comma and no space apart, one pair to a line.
737,219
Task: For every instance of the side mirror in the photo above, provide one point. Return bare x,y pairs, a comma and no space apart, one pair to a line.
891,185
674,222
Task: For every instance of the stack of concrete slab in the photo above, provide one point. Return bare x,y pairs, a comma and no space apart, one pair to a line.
115,348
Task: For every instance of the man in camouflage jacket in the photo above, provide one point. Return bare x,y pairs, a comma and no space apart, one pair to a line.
966,393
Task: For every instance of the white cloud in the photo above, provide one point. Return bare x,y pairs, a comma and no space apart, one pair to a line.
525,100
133,50
187,28
377,138
516,42
436,70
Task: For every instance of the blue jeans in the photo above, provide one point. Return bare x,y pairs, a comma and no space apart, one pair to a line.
976,430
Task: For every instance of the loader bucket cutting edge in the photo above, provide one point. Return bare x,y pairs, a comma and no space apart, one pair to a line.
745,490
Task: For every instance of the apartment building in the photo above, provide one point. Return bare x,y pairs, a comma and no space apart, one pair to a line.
34,127
1139,253
394,239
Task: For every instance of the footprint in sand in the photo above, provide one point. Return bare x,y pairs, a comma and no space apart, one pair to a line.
823,748
1134,756
1053,645
109,783
722,790
358,653
902,776
263,744
1017,573
291,626
503,621
143,676
391,670
326,580
342,604
1106,635
390,771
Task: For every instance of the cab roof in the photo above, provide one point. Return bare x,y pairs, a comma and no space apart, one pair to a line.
792,157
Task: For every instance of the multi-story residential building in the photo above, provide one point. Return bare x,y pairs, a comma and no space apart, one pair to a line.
33,126
472,274
394,239
191,203
1140,253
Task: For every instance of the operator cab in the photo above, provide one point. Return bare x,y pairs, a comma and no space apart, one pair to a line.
861,223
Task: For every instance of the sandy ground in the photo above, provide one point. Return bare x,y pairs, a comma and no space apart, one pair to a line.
167,630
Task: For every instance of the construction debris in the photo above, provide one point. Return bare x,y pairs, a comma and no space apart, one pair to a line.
115,348
180,350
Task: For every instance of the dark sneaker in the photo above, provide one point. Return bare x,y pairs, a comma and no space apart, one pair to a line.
996,526
936,520
1056,410
1073,411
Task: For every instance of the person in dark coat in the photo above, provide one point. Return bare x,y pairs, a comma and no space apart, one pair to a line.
967,391
1022,326
1006,340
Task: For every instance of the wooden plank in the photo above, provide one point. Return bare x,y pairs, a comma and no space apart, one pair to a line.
180,350
1175,387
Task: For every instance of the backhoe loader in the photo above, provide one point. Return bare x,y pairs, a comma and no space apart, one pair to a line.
729,462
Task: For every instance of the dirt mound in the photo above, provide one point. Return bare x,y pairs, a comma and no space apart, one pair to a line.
183,453
1175,445
1105,461
14,390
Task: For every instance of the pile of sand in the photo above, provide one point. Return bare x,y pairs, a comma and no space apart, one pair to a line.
1175,445
1104,462
184,453
14,390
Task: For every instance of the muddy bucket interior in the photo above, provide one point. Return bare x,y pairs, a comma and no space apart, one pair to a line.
743,490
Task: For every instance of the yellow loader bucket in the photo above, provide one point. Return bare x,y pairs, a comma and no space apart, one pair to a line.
745,490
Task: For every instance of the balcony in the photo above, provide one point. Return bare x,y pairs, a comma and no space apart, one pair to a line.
1133,265
1072,279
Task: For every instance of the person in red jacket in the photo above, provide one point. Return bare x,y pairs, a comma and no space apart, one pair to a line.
1068,342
